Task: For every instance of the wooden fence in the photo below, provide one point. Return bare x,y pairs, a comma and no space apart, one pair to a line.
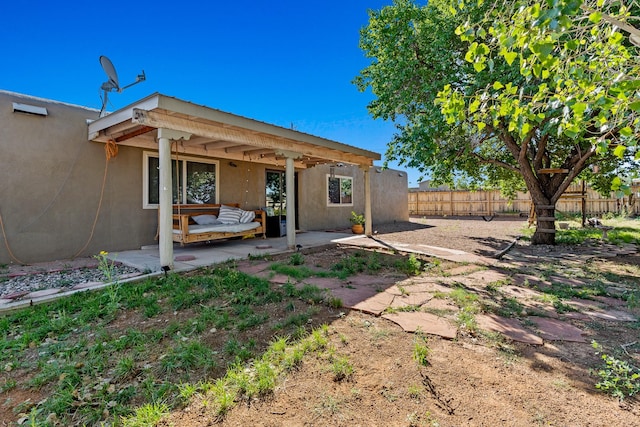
479,203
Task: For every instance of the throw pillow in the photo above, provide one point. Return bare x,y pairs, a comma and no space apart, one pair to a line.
205,219
229,214
247,216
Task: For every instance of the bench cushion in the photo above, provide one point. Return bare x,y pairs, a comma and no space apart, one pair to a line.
220,228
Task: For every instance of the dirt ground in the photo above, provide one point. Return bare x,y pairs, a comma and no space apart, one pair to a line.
473,380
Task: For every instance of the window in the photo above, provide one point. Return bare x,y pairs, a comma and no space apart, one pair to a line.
195,181
339,190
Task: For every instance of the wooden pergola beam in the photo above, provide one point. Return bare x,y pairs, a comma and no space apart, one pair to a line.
210,130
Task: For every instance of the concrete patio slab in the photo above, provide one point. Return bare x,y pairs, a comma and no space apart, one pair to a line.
511,328
42,293
423,322
557,330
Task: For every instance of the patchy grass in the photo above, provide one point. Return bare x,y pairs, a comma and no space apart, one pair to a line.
94,357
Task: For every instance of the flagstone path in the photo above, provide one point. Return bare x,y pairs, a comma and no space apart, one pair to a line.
421,303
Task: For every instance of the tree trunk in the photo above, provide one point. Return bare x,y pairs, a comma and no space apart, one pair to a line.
545,233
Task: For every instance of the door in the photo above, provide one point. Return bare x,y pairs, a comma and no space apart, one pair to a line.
276,197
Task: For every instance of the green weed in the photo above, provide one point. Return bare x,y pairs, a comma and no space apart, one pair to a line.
617,377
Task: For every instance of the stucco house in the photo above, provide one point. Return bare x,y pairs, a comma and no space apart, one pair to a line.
73,183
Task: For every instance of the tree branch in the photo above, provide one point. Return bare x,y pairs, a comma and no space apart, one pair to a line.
573,173
496,163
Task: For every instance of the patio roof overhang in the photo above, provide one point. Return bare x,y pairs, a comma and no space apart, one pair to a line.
215,133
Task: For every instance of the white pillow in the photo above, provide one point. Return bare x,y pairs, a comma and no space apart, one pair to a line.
229,215
247,216
206,219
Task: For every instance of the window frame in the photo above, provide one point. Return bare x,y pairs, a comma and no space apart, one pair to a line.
183,173
341,177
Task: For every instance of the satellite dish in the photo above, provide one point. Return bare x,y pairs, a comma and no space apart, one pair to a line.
113,85
110,70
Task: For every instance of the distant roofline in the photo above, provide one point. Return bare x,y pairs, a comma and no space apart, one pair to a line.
47,100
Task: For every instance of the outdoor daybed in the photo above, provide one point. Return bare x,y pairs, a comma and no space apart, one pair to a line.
201,223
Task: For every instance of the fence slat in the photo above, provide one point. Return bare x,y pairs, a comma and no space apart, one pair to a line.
478,203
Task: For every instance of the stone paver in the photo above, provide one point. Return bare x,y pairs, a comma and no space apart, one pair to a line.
440,304
557,330
376,304
530,280
324,282
412,299
280,279
613,315
567,281
253,269
351,297
520,292
371,280
511,328
423,322
463,270
487,276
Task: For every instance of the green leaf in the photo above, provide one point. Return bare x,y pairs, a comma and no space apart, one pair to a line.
619,151
616,182
579,108
473,107
626,131
510,57
481,126
479,66
497,85
595,17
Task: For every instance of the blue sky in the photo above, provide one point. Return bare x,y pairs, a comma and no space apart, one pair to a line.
289,63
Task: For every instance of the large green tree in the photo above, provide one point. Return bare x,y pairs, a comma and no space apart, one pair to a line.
507,93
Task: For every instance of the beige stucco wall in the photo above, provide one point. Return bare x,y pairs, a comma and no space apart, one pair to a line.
389,190
51,180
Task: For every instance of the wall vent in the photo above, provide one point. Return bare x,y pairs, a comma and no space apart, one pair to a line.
29,109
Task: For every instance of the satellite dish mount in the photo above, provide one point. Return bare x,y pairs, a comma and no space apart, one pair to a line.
113,85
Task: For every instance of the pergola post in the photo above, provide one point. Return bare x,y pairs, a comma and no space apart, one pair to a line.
290,182
291,203
165,186
368,227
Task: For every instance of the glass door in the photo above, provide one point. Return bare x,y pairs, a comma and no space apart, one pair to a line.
276,197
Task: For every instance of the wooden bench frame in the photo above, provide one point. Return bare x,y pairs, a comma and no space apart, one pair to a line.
182,218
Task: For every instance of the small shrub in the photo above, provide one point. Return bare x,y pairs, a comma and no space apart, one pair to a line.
421,351
342,369
617,377
146,415
411,266
296,259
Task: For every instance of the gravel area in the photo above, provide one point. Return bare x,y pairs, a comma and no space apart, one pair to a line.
470,234
37,277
